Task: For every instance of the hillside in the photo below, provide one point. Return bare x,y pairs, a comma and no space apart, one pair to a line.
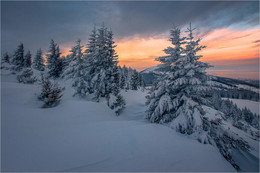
80,135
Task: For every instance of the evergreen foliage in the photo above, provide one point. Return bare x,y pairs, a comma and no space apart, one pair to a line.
28,59
6,62
38,62
51,93
102,71
54,62
180,98
6,58
26,76
76,71
18,58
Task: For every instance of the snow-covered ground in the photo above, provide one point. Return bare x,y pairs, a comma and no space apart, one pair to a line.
80,135
253,106
249,88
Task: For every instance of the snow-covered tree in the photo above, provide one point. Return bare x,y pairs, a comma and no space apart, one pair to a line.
6,58
91,60
26,76
77,70
179,98
134,80
28,59
38,62
102,72
51,93
18,58
54,62
6,61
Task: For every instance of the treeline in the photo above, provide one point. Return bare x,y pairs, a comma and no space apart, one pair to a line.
94,72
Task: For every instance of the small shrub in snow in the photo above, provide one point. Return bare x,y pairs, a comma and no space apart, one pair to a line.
51,93
117,103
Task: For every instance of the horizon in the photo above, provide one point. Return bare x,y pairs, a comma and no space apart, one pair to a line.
230,30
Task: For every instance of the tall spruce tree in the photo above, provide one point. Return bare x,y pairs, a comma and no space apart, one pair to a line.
134,80
28,59
54,63
178,99
102,71
38,62
18,58
77,70
91,60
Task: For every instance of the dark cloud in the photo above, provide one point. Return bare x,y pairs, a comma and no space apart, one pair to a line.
35,23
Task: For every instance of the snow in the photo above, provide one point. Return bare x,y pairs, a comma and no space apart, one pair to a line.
151,69
80,135
257,90
253,106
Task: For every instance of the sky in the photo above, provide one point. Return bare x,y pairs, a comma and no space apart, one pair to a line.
229,29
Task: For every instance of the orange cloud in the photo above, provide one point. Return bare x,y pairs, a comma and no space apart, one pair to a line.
140,53
227,44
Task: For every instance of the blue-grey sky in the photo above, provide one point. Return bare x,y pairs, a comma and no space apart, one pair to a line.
35,23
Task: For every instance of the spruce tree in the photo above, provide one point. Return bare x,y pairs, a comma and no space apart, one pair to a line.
102,71
18,58
179,98
134,80
5,62
28,59
6,58
91,54
77,71
51,93
38,62
54,62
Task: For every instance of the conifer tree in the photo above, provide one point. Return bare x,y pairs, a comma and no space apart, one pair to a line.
178,99
134,80
77,71
51,93
54,63
38,62
102,71
6,58
18,58
5,62
91,60
28,59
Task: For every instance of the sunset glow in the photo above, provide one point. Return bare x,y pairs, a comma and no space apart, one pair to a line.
225,47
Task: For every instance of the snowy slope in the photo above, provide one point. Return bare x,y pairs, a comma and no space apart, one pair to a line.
251,105
250,88
80,135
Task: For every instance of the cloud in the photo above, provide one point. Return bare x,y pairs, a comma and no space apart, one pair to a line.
141,28
35,23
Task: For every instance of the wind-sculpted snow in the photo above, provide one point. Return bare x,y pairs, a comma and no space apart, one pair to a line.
80,135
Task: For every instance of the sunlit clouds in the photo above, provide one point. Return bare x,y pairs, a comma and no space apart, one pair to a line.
234,52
